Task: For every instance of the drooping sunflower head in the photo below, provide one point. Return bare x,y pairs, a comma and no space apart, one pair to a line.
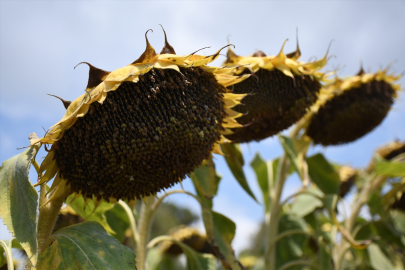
141,128
278,95
348,109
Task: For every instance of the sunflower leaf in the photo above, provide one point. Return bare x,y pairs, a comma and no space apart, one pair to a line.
85,246
19,200
261,170
234,159
205,179
292,153
378,260
323,174
219,229
390,168
89,212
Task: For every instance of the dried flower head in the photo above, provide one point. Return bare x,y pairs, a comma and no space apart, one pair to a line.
279,94
141,128
348,109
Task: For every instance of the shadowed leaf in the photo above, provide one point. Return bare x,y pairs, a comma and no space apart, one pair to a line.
323,174
88,213
85,246
18,200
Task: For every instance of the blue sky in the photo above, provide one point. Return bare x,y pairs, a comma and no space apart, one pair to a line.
41,42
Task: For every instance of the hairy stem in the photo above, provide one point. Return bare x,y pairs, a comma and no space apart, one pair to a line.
272,218
132,222
48,214
272,230
144,225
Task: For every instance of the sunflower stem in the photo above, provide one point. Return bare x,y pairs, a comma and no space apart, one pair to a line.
132,222
48,213
275,204
144,226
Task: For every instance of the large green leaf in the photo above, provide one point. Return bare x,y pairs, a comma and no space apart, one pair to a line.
234,159
389,168
19,200
378,260
323,174
89,212
85,246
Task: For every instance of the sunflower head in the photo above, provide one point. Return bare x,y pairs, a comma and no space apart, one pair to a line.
348,109
278,95
141,128
189,236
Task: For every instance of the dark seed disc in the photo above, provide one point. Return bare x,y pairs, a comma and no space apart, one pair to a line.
276,102
146,136
349,116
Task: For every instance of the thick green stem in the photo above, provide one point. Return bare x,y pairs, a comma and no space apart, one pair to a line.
144,226
349,224
272,218
272,230
48,213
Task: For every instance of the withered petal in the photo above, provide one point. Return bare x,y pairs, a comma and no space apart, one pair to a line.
167,49
148,54
96,75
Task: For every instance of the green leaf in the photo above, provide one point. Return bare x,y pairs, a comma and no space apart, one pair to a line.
89,213
398,218
292,153
234,159
260,168
378,260
118,220
323,174
19,200
289,248
85,246
205,179
325,257
389,168
307,203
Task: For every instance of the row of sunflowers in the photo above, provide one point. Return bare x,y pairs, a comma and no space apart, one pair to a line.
144,127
